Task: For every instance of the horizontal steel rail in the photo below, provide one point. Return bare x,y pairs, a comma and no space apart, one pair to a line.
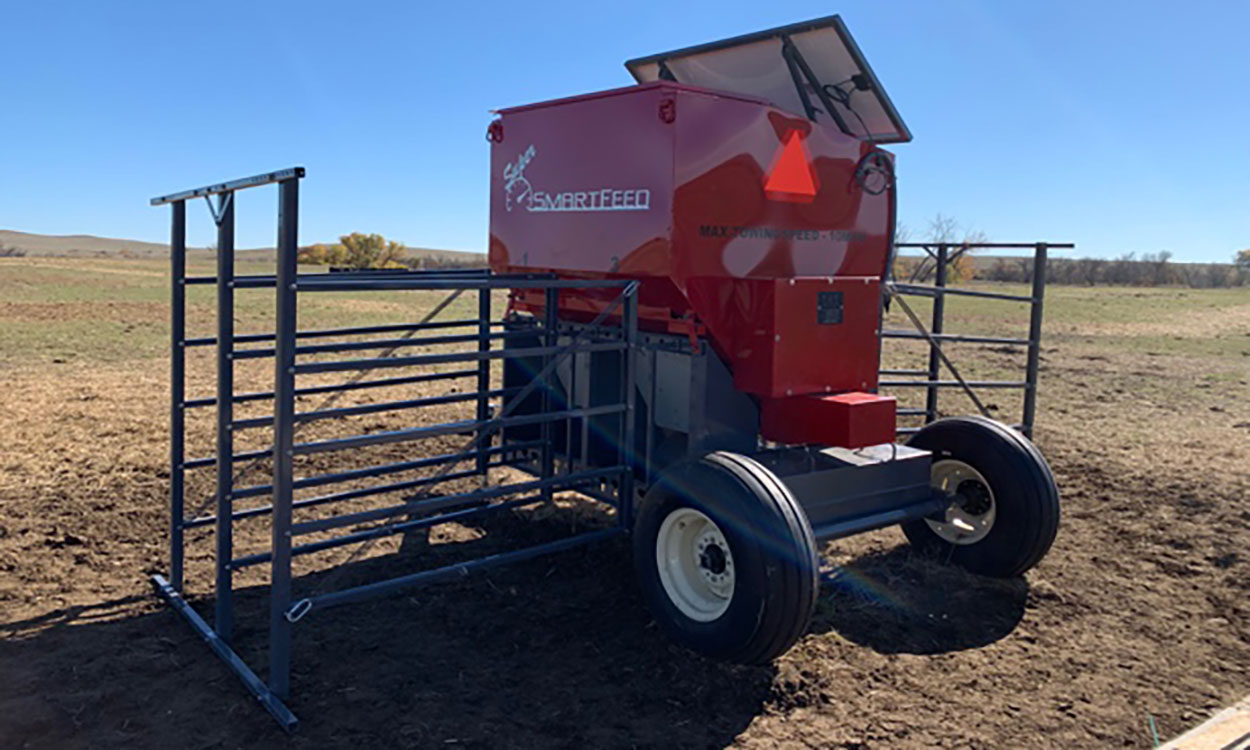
355,346
390,529
359,409
266,178
449,428
922,290
954,337
450,398
383,588
903,372
261,558
382,489
528,466
449,501
265,281
914,430
953,384
380,470
330,284
989,245
254,338
421,360
199,463
339,387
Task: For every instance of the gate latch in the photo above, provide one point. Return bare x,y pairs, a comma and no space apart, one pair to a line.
298,610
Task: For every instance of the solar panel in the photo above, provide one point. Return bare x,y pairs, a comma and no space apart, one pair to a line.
813,67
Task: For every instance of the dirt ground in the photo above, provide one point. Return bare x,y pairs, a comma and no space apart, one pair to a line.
1141,611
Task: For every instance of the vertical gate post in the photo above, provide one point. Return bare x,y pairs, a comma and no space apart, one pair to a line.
177,385
629,325
224,610
283,439
550,339
935,327
1035,338
483,379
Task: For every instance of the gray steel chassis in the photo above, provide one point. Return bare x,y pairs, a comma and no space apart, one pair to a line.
687,406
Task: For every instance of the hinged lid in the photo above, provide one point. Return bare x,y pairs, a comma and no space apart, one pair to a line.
813,67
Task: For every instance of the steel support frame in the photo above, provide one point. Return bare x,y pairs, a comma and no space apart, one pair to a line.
711,415
941,255
218,635
223,609
1035,338
935,327
284,609
283,444
177,389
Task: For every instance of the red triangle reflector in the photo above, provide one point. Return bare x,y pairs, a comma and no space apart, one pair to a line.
791,177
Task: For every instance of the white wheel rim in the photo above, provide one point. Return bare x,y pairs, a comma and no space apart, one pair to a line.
972,509
695,565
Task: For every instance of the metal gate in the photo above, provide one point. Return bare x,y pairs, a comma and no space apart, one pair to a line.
459,351
937,261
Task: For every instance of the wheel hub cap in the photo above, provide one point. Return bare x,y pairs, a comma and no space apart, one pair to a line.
972,510
695,564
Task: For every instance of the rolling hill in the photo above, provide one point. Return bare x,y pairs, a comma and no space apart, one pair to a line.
90,246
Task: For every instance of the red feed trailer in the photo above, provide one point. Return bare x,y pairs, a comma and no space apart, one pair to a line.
742,184
697,268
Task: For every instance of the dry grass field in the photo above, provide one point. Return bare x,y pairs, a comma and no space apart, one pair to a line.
1141,610
106,248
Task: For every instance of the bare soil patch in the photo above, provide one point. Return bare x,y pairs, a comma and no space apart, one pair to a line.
1142,608
1215,321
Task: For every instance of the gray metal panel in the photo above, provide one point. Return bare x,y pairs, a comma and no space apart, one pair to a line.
722,417
836,486
673,383
577,387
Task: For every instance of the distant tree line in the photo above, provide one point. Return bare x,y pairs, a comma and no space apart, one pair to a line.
1150,269
433,262
11,251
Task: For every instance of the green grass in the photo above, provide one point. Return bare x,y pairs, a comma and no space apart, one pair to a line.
1080,304
112,310
1205,323
117,310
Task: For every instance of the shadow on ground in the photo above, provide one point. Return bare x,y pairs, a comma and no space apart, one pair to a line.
557,652
900,602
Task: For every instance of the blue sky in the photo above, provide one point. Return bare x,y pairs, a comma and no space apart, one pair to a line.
1122,126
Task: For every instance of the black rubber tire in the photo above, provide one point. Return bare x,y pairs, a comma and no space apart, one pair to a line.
772,546
1025,497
